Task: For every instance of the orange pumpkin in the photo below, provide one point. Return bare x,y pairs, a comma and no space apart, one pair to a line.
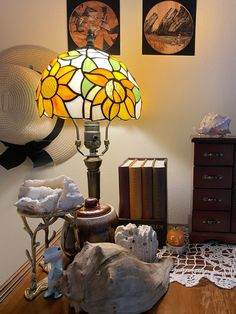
175,237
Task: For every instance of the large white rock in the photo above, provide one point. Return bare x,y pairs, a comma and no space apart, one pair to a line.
49,195
141,241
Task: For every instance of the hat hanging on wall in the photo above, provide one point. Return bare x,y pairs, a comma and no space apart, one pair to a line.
22,131
30,56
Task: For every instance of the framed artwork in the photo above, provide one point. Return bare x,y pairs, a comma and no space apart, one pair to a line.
101,17
169,27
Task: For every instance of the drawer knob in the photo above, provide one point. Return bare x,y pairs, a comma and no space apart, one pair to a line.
211,222
212,177
213,154
212,199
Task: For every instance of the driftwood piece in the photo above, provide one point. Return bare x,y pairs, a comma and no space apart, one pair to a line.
105,278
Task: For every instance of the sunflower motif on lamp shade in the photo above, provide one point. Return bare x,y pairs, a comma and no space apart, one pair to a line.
88,84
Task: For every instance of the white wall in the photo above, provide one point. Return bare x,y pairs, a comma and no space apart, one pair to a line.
177,92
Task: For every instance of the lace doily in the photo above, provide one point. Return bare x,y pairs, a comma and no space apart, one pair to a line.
216,262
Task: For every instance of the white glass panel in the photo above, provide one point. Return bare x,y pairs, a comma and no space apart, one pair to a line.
75,107
78,61
97,113
63,62
75,83
138,109
103,63
87,106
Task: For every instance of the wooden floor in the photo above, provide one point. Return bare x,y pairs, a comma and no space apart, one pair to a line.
203,299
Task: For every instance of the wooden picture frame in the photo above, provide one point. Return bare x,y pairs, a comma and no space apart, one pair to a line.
102,17
169,27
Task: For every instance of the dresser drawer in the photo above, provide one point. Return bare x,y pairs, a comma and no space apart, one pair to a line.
211,221
211,199
213,177
213,154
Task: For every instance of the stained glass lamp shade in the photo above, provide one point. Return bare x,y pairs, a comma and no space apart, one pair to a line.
92,85
88,84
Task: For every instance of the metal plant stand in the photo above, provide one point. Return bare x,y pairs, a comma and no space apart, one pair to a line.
36,287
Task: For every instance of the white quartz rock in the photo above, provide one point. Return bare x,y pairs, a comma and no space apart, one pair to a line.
214,124
45,196
140,241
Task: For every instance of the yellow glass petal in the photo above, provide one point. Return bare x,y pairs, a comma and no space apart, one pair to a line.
130,95
59,107
120,91
116,97
38,90
108,74
55,68
106,108
65,93
123,66
65,79
44,74
49,87
128,84
64,70
40,105
99,98
123,113
130,106
119,76
114,111
48,107
53,61
96,79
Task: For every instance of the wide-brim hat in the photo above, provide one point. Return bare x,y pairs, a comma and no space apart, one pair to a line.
22,131
30,56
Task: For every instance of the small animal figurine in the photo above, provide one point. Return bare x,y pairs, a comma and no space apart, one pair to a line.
53,255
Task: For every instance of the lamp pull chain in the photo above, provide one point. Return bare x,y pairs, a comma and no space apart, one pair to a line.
106,141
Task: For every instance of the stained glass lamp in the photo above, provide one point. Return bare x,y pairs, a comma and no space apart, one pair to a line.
89,84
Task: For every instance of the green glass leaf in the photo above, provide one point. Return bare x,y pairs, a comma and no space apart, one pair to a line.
136,93
72,55
86,86
115,64
88,65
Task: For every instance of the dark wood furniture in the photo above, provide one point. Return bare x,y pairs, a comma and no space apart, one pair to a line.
214,189
204,298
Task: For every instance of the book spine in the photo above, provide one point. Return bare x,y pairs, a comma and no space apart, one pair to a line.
160,193
135,189
147,193
124,199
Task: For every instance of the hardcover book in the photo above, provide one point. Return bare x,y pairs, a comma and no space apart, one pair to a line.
135,189
159,190
147,193
124,199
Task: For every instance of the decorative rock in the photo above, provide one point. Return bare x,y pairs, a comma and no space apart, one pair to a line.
140,241
105,278
214,124
46,196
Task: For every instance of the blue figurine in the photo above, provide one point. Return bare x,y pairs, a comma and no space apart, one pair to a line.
53,255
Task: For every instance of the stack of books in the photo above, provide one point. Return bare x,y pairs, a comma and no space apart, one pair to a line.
143,193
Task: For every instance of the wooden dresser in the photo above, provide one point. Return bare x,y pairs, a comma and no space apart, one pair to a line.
214,189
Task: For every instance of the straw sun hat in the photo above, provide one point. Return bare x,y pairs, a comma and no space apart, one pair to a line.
30,56
22,132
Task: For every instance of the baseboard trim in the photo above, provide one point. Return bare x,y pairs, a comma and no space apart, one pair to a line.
7,287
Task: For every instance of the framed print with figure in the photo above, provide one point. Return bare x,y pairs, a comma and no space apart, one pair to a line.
169,27
101,17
